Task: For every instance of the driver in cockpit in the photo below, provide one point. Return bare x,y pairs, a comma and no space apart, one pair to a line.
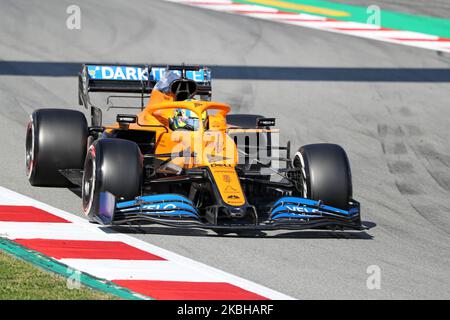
182,119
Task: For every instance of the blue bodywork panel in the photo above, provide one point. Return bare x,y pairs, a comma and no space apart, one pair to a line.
160,206
301,208
171,205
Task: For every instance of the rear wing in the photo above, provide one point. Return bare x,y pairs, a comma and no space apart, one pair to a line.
135,79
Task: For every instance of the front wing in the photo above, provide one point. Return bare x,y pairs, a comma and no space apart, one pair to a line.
289,213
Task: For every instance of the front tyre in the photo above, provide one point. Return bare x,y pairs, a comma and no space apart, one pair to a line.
111,165
326,174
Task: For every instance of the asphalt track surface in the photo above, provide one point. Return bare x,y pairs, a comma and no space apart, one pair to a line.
394,124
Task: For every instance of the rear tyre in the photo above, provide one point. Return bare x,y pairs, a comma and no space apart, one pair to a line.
112,165
326,174
56,140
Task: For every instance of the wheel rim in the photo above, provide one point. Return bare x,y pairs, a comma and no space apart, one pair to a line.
88,185
29,149
299,162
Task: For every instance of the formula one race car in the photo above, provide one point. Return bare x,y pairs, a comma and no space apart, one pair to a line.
183,160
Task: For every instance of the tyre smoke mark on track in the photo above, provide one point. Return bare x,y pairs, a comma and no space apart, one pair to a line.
413,130
397,158
439,165
408,188
405,157
400,167
394,148
442,178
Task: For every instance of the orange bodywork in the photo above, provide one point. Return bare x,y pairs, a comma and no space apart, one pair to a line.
209,146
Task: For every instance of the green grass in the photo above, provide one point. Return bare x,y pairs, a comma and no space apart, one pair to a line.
21,280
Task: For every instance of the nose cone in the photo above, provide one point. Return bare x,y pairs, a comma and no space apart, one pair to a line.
228,184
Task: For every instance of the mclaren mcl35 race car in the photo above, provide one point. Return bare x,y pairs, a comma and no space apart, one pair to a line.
182,160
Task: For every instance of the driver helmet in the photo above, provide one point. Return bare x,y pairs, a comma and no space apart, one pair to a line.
166,80
186,119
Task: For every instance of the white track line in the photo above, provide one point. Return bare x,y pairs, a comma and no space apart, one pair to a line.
142,270
39,230
237,8
392,34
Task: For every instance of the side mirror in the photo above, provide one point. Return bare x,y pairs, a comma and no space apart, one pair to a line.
124,120
265,122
